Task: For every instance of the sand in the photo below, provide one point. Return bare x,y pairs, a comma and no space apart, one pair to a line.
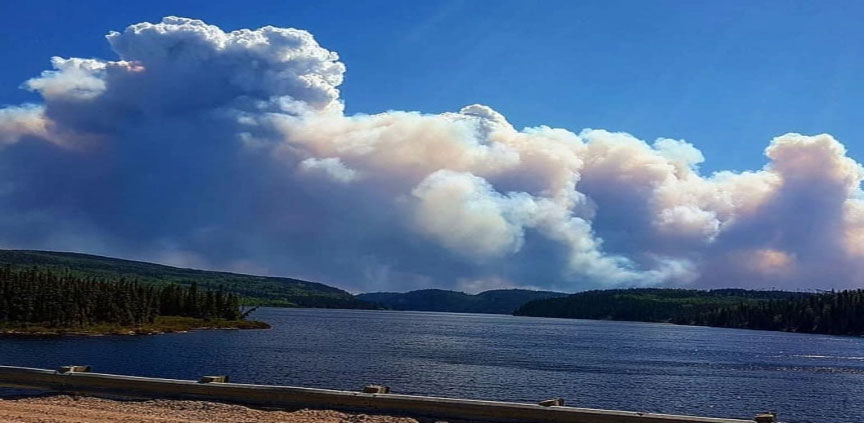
67,409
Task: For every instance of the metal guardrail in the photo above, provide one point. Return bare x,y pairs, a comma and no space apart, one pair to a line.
79,380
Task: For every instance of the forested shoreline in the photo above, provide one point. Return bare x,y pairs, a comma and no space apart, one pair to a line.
40,300
835,313
46,301
832,313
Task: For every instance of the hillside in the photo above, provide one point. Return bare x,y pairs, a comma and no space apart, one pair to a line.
499,301
272,291
684,306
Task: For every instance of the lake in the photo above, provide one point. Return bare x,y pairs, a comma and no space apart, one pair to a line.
597,364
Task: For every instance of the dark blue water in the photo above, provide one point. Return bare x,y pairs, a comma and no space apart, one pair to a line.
614,365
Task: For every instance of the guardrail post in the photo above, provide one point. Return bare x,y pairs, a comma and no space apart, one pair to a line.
554,402
766,418
376,389
74,369
213,379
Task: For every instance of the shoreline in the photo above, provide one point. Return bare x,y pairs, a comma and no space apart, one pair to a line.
162,325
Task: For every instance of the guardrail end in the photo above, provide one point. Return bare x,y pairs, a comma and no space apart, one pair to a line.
376,389
74,369
213,379
766,418
554,402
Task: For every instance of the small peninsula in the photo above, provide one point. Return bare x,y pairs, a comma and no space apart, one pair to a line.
43,302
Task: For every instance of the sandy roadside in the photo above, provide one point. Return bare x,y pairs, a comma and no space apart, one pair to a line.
66,409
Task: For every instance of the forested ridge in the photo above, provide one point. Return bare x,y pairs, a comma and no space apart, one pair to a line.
63,300
839,313
258,290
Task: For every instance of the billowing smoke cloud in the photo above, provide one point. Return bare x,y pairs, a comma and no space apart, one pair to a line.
232,150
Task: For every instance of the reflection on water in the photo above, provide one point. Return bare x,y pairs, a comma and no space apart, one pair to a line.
616,365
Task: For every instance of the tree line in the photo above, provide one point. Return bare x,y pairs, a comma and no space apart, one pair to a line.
646,304
37,296
835,313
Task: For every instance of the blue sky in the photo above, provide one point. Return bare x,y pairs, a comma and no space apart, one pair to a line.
727,77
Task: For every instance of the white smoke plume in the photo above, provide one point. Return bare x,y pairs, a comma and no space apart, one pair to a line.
232,150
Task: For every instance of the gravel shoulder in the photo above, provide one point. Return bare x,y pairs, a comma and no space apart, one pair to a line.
67,409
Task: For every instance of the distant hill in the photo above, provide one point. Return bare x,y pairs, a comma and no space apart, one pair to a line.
499,301
272,291
684,306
